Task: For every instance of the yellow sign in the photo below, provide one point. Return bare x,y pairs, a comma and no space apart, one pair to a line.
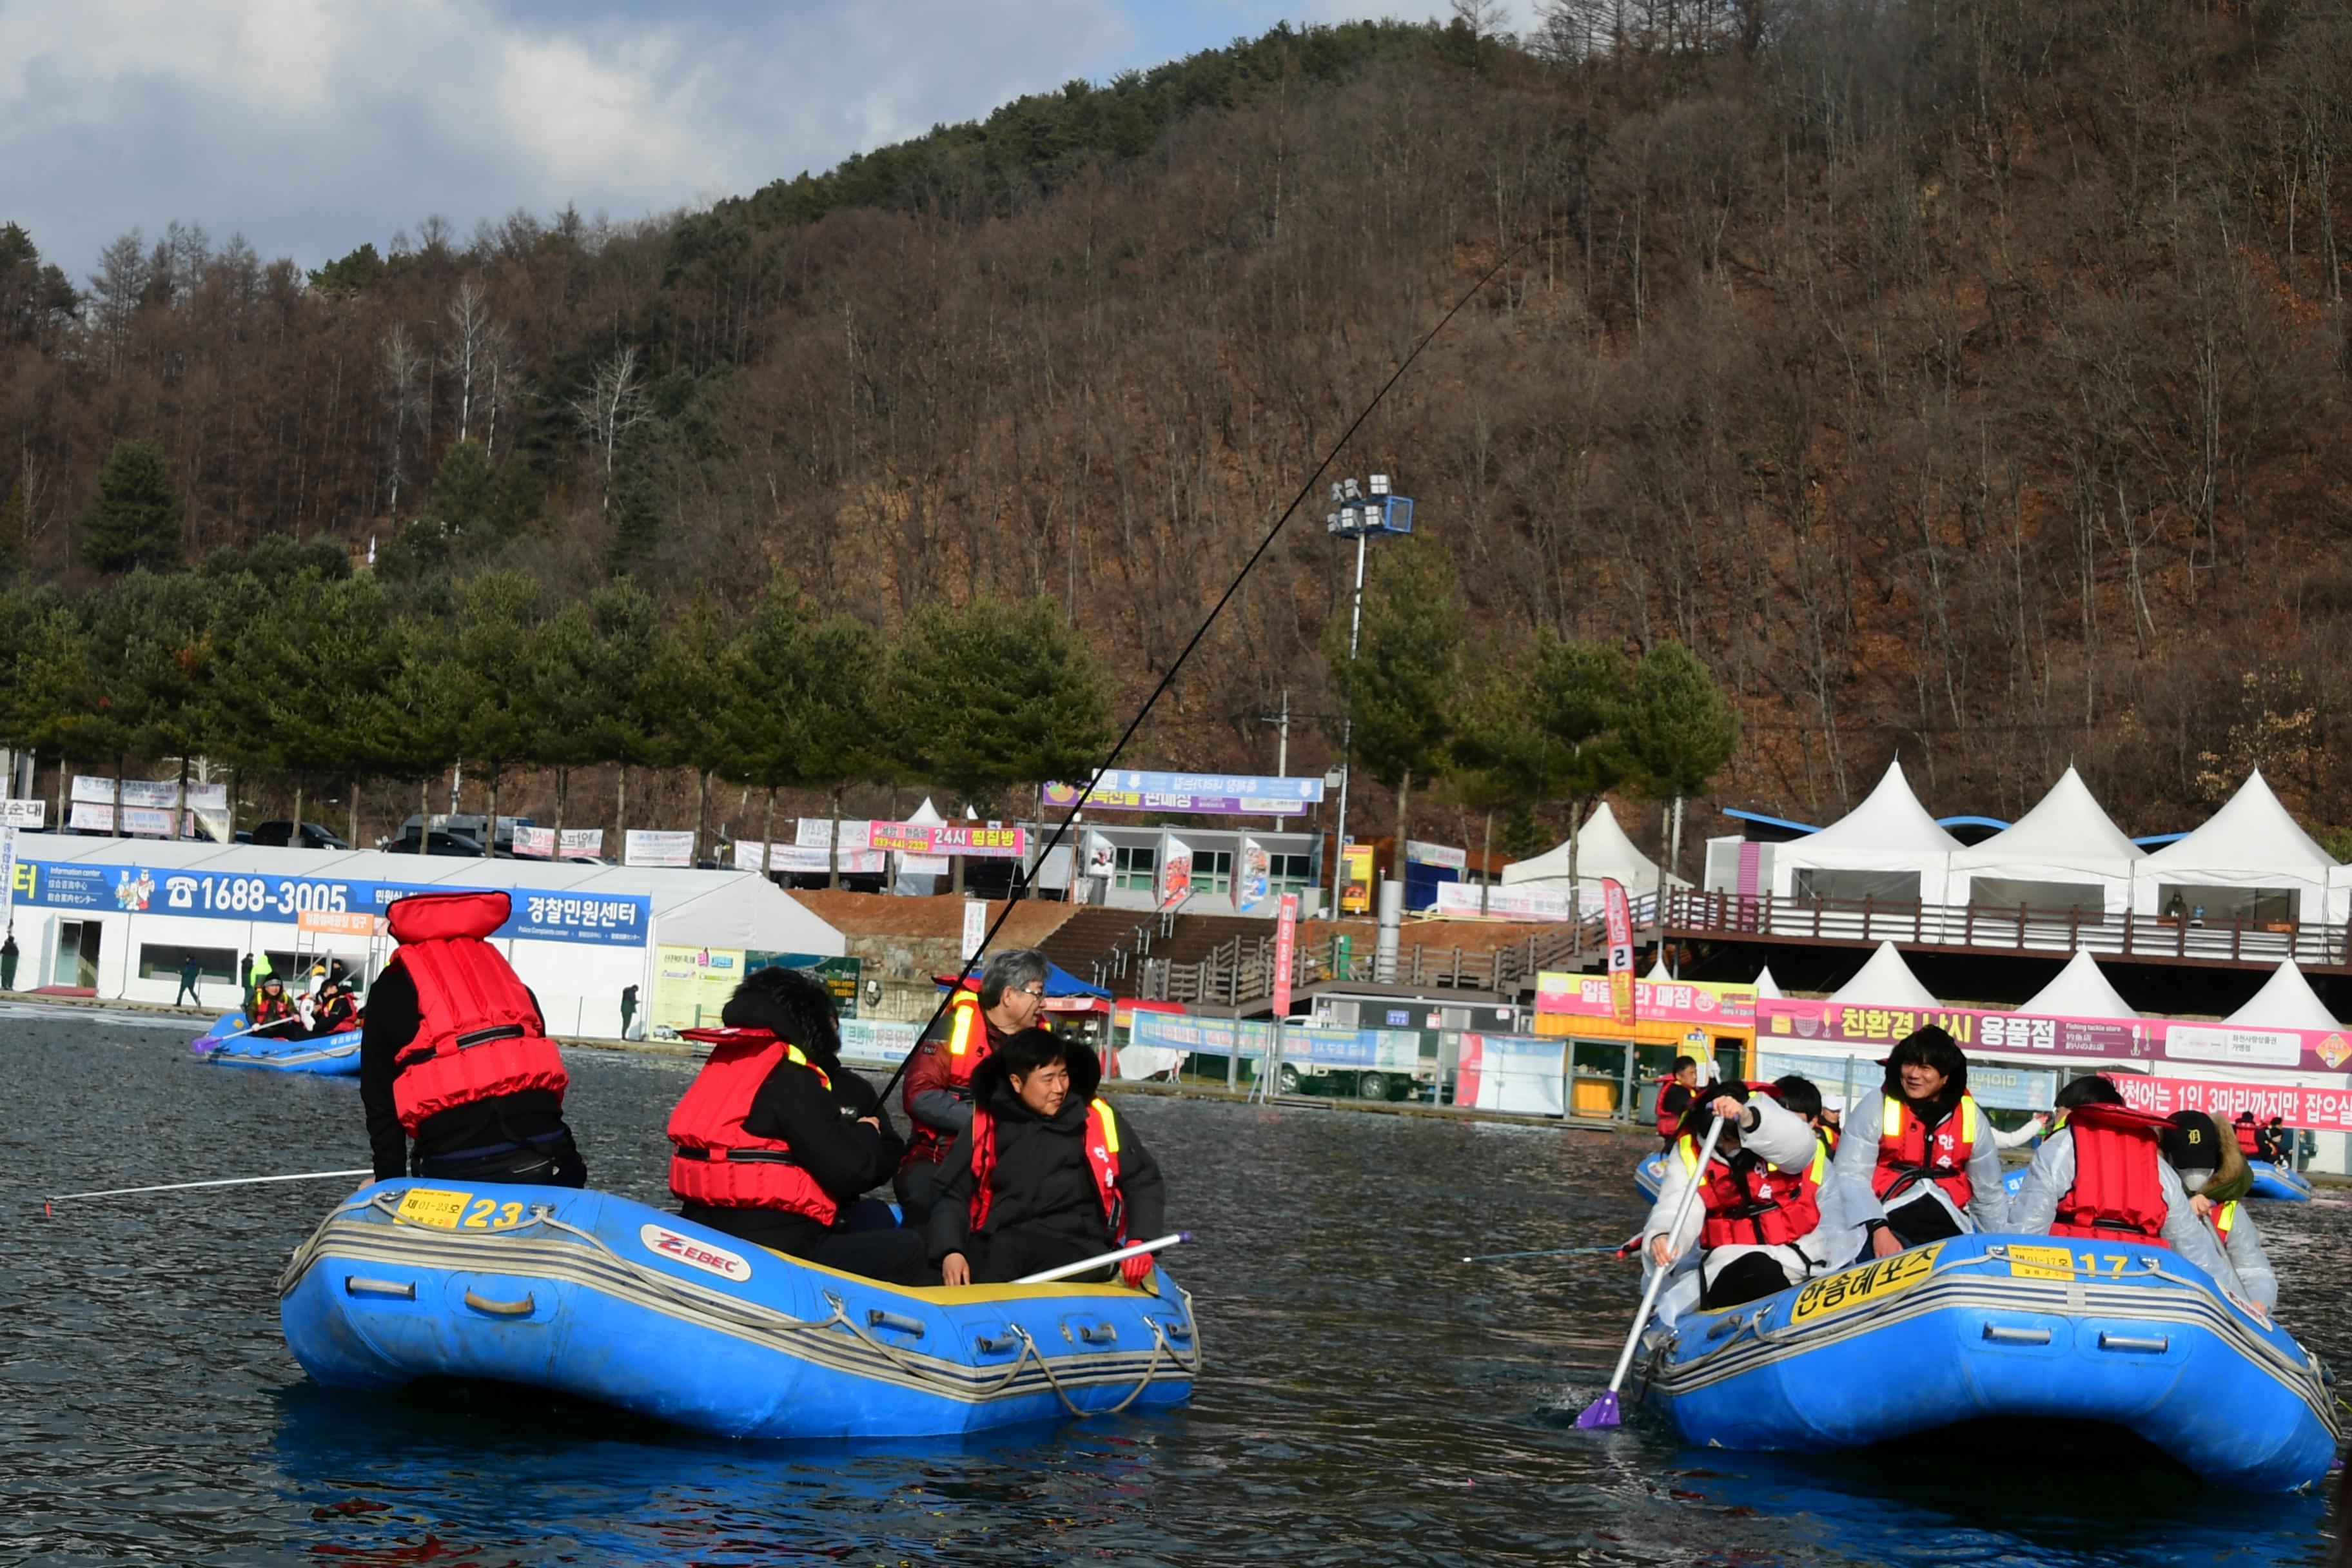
434,1207
1867,1286
691,985
2039,1262
1355,879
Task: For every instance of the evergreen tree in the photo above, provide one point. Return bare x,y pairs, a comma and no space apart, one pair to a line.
461,489
1402,685
1578,696
15,531
135,521
1502,763
493,675
990,695
1678,731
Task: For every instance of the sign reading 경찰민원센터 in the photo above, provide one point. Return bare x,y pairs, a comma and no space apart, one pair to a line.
620,919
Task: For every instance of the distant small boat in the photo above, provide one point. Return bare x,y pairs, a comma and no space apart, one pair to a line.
335,1056
1650,1175
2008,1328
606,1298
2280,1183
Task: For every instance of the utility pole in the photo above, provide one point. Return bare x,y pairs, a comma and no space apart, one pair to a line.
1281,722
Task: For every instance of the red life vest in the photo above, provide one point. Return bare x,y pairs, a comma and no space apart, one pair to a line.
2118,1194
1670,1122
1102,1159
2250,1139
713,1160
1909,1154
479,1034
1752,1203
270,1010
947,1063
967,1044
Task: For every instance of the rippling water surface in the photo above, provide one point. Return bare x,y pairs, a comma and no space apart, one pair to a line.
1368,1399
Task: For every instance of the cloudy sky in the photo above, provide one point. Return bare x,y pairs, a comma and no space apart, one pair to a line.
311,125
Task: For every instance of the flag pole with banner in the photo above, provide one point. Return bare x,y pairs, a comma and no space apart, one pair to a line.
1618,917
1286,951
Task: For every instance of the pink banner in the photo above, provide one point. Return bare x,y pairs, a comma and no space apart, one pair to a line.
1286,948
1673,1000
1619,916
948,839
2322,1109
2031,1033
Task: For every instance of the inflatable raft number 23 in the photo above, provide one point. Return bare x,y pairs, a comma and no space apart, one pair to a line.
2010,1327
606,1299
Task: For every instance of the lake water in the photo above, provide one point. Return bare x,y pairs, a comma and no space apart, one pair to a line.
1368,1399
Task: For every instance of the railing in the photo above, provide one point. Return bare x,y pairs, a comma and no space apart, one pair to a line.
1241,969
1113,964
2011,929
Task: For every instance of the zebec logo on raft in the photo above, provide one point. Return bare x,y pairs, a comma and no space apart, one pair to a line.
660,1238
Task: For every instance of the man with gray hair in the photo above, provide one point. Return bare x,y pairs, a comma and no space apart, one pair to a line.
1009,997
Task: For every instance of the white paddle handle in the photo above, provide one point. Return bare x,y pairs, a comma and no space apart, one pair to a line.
1657,1272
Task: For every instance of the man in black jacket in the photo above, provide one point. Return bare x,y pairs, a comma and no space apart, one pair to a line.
1041,1136
832,1124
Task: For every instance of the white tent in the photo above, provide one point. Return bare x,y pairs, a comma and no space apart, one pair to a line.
1887,849
2250,859
1602,850
2286,1001
918,876
2064,854
1766,986
2079,991
1658,975
1885,982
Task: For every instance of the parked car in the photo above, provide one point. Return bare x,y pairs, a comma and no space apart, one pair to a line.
437,843
281,834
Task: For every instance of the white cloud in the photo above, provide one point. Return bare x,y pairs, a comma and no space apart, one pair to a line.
313,126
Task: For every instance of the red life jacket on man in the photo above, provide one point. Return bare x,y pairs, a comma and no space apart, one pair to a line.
947,1063
1752,1203
1102,1159
479,1034
2118,1194
268,1009
1908,1152
2250,1139
713,1160
1670,1122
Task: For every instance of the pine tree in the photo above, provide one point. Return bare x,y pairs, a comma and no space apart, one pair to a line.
1401,688
136,520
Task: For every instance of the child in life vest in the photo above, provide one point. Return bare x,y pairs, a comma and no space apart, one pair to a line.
2104,1177
1758,1220
2217,1192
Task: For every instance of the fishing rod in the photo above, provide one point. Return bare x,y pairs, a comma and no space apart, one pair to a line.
184,1186
1102,1260
1061,829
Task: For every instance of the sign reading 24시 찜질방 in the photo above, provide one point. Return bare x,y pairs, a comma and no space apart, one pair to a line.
621,920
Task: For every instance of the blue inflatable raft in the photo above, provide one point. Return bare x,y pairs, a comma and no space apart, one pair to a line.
2010,1328
1650,1175
606,1298
2280,1183
337,1055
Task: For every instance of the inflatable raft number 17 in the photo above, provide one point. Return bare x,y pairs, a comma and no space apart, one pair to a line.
604,1298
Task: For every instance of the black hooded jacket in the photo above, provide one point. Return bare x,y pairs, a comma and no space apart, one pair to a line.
1042,1181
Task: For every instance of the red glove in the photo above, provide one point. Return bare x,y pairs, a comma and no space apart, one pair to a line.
1135,1270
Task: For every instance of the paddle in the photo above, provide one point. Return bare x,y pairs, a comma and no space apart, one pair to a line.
184,1186
1048,1275
1603,1412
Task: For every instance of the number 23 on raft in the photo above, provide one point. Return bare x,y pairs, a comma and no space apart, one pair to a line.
446,1210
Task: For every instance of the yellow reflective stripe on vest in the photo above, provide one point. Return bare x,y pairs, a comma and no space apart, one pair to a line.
1819,1171
2226,1217
792,1055
1968,1123
960,1031
1688,1149
1110,1127
1890,1117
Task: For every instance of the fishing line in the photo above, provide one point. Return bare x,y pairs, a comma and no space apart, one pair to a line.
1021,886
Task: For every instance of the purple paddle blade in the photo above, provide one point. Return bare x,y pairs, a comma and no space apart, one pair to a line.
1602,1412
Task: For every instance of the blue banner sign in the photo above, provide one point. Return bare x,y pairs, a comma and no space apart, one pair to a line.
1230,794
613,919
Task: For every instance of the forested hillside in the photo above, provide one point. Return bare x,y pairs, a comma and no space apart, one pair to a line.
1955,377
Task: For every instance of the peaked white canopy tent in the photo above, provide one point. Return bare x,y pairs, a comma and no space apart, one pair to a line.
2250,859
2286,1001
1766,986
1887,849
1885,980
2080,990
2064,854
1602,850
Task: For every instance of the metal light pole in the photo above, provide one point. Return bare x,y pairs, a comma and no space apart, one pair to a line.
1361,516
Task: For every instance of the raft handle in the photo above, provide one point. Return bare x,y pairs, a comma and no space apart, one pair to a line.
354,1285
2003,1335
987,1346
2125,1342
499,1308
1094,1332
875,1318
1176,1331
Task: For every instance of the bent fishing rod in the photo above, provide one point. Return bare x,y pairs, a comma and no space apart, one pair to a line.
1061,829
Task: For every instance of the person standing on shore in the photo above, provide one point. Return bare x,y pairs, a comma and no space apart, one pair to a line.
8,960
190,973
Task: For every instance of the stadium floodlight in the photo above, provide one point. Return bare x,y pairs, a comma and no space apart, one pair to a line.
1351,489
1380,484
